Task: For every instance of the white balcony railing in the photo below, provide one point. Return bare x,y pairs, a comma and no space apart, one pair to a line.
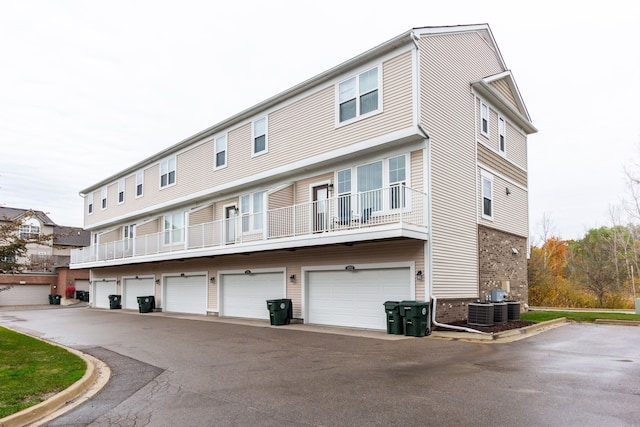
393,205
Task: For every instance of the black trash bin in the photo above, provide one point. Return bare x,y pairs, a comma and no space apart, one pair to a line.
85,296
394,318
115,301
146,304
415,318
54,299
280,311
79,295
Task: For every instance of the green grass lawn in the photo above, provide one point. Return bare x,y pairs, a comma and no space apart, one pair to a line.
32,370
578,316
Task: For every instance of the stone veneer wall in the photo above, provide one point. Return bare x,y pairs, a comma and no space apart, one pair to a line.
499,265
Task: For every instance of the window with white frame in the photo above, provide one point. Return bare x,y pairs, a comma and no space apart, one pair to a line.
484,119
139,183
251,211
29,229
173,228
128,234
260,136
487,195
103,198
502,138
359,95
90,203
221,151
121,191
379,186
168,172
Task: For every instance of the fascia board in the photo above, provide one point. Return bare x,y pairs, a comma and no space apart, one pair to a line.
491,95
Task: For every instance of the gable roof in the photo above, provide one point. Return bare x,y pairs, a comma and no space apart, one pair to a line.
13,214
71,236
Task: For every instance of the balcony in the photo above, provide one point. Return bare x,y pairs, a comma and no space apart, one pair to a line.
392,212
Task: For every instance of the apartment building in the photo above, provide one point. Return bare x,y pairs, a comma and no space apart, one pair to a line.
400,174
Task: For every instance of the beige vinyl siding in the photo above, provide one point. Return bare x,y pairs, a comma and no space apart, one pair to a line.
516,146
447,113
220,207
296,131
502,87
417,170
303,187
281,198
279,201
201,215
111,236
510,212
150,227
499,164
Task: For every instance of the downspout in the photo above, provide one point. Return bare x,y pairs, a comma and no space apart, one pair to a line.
442,325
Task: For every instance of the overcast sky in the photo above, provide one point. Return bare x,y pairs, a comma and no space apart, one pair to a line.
88,88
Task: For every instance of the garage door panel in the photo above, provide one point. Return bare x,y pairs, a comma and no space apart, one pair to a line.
134,288
355,298
186,294
102,292
24,294
246,295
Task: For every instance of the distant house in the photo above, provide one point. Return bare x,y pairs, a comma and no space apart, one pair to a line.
45,263
400,174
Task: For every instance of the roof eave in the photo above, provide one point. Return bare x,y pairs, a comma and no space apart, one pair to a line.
488,92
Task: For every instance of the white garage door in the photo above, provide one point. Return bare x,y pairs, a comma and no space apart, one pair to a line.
102,292
246,295
24,294
82,285
134,288
355,298
186,294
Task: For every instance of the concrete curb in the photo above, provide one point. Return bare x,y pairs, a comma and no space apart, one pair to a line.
94,379
618,322
501,337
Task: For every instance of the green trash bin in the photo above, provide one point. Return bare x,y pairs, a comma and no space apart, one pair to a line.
280,311
416,318
394,318
54,299
146,304
85,296
115,301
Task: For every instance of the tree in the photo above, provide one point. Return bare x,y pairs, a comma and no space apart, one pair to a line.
15,241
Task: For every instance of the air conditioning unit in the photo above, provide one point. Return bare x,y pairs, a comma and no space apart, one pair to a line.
513,311
480,314
500,312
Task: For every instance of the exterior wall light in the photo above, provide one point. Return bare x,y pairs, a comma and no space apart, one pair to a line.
213,279
247,272
419,275
292,278
350,267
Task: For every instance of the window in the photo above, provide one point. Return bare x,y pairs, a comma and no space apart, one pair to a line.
487,196
90,203
168,172
260,136
173,228
397,182
251,209
139,183
128,234
121,191
501,135
103,198
30,229
484,119
344,196
221,151
358,95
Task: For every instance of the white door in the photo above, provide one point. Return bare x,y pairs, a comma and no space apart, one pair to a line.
185,294
102,291
24,294
355,298
246,295
134,288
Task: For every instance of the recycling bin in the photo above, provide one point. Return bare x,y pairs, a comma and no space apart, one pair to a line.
115,301
394,318
146,304
415,318
280,311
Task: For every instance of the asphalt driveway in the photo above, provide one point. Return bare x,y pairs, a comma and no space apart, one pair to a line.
181,372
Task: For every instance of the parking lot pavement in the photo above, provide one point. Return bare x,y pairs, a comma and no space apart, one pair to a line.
204,373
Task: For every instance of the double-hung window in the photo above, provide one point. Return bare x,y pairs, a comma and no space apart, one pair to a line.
103,198
29,230
168,172
260,136
487,195
359,95
121,191
251,211
173,228
502,138
139,183
221,151
484,119
90,203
